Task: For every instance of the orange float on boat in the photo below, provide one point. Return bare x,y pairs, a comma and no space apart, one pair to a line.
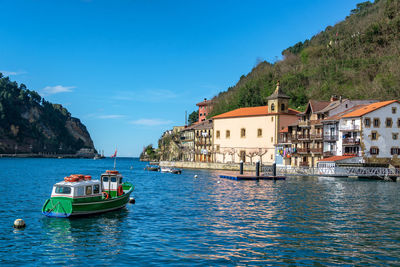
112,172
88,177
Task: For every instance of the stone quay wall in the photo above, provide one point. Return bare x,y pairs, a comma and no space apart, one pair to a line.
207,165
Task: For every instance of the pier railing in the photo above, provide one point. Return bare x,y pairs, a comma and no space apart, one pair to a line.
333,171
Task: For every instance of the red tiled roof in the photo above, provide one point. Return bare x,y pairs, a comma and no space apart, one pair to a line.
204,103
341,114
318,105
251,111
336,158
369,108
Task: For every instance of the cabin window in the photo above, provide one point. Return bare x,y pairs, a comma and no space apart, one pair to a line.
120,180
96,189
88,190
105,179
113,179
80,190
63,190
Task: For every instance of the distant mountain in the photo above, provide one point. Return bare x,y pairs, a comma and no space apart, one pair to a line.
358,58
30,124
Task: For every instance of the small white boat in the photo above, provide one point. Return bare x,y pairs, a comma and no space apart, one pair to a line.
170,170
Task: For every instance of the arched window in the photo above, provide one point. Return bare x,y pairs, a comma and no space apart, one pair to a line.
272,107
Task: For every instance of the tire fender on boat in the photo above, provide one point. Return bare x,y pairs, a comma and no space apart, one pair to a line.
107,196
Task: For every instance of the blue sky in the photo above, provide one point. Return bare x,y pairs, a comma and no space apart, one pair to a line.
129,69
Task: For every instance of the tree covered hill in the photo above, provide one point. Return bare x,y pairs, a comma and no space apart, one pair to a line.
30,124
358,58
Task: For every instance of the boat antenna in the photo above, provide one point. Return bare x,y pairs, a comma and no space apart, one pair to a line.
115,157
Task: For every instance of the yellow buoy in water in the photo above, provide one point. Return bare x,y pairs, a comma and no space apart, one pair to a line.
19,223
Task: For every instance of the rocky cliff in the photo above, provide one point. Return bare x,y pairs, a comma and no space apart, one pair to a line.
30,124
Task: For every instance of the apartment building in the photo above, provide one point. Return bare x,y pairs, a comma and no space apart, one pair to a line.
203,141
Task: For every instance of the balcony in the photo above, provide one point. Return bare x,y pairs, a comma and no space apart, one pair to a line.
293,138
351,127
316,150
317,136
304,123
351,141
303,137
332,138
303,150
329,153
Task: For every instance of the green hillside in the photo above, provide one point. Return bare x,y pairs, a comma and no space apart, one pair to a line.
30,124
358,58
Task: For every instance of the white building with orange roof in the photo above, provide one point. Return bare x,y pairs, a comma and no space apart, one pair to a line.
250,134
372,132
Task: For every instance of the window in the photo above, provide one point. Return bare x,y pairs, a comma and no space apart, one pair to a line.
272,118
113,179
374,151
367,122
88,190
243,132
377,122
398,123
201,114
374,136
395,136
389,122
217,148
63,190
272,139
80,190
272,107
394,110
272,156
105,179
282,107
395,151
259,132
217,134
228,134
96,189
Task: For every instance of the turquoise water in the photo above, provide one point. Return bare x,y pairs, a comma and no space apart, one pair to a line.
182,220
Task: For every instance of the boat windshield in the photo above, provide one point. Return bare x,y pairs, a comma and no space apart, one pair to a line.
63,190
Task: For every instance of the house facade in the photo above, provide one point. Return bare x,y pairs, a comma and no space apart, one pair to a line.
250,134
372,132
205,108
203,141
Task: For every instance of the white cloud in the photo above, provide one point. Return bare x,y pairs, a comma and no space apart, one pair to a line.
113,116
151,122
11,73
51,90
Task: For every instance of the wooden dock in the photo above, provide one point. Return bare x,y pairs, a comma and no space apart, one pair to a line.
251,177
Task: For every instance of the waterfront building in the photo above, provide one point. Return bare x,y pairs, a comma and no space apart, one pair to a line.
187,143
284,148
372,132
250,134
203,141
205,108
307,134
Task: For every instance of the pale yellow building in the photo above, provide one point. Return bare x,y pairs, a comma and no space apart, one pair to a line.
250,134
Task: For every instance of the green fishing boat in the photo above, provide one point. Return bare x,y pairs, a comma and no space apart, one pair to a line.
80,195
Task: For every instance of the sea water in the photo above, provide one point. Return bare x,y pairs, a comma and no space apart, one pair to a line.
180,220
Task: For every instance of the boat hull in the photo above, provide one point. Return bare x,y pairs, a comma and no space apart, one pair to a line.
64,208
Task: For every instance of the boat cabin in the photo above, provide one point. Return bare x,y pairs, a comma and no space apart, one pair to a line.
78,189
112,183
